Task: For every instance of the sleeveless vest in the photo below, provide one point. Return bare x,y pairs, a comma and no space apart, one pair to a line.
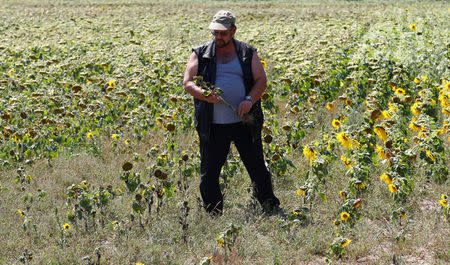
207,64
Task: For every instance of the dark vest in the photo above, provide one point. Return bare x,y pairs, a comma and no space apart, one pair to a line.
207,67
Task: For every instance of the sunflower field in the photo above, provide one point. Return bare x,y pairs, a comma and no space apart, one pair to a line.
99,157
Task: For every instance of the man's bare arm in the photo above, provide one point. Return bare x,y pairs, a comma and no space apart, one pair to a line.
191,87
259,77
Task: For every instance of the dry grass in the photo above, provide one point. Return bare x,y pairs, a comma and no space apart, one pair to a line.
261,242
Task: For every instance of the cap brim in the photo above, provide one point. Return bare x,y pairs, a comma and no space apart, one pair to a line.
218,26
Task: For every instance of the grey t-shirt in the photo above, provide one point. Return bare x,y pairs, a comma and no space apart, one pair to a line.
229,78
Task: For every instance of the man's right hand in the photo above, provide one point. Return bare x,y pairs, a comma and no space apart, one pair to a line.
212,98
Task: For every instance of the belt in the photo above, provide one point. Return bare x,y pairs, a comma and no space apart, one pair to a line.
227,125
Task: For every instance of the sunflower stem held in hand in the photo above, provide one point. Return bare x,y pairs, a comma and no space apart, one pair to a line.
210,88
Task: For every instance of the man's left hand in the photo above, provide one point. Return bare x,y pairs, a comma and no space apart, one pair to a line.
244,107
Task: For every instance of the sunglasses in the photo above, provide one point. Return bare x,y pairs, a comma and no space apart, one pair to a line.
221,33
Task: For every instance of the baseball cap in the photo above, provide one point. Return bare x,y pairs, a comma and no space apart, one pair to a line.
222,20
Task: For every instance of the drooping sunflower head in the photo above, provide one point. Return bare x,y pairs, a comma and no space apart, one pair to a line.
393,188
345,243
381,132
330,106
342,194
345,140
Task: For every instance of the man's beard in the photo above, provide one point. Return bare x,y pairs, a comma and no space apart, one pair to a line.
222,44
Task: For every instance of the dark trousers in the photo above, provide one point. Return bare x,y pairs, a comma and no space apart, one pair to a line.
213,156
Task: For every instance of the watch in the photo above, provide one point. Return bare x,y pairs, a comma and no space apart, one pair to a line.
249,98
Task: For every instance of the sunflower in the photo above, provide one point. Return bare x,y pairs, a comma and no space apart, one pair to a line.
310,153
66,226
381,152
443,203
413,27
393,188
357,144
345,140
112,83
447,86
330,106
294,212
386,178
357,203
286,128
381,132
348,164
359,186
336,123
400,91
346,242
438,132
20,213
424,78
444,101
413,126
301,192
414,109
84,183
392,108
89,135
386,114
263,64
430,156
171,127
416,80
345,216
343,194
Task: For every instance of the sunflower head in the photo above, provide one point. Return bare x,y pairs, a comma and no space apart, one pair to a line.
342,194
393,188
336,123
301,192
112,83
345,216
263,64
330,106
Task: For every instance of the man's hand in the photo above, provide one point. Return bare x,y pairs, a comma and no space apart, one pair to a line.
244,107
212,98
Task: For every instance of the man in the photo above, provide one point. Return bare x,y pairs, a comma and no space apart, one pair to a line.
234,67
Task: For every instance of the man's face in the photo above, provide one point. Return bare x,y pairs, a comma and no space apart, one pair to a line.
222,38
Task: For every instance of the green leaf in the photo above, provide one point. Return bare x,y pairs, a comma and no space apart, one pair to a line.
169,191
206,93
323,196
290,163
